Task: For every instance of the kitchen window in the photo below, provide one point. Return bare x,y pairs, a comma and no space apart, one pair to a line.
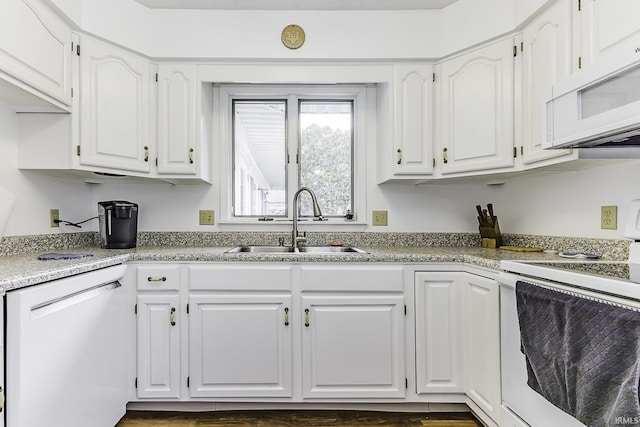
283,137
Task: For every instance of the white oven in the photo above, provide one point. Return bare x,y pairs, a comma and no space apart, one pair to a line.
521,405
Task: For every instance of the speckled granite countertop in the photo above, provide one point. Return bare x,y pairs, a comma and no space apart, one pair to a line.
22,270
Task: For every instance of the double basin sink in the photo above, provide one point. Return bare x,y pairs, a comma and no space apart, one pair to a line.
319,250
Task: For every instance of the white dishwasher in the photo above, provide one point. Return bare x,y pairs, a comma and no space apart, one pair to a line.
65,352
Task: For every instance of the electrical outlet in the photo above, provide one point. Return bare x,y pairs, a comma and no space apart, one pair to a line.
54,215
379,218
609,217
207,217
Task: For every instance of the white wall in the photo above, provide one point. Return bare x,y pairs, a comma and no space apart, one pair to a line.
37,193
565,204
225,34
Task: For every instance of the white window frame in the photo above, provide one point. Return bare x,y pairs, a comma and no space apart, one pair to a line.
364,117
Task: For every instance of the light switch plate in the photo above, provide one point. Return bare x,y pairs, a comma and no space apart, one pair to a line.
609,218
207,217
379,218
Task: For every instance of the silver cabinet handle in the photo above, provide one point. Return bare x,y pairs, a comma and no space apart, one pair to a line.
444,155
399,156
191,155
146,153
306,317
156,279
172,316
1,399
286,316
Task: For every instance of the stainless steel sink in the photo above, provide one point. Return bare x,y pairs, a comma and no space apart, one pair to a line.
331,250
301,250
261,250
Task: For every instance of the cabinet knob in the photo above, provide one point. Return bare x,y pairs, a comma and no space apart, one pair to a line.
306,317
191,155
286,316
172,316
399,156
156,279
444,155
146,153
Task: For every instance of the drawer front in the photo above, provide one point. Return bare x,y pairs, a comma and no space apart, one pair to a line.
352,278
158,277
240,277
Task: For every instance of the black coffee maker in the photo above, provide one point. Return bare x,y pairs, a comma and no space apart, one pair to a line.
118,224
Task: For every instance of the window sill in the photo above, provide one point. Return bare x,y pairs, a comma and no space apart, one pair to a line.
286,225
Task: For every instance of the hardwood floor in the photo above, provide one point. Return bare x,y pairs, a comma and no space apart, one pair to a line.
297,419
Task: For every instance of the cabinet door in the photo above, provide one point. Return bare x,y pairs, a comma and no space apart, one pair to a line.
115,107
477,119
240,345
158,346
547,55
608,27
413,153
482,343
177,121
2,394
35,47
438,332
353,346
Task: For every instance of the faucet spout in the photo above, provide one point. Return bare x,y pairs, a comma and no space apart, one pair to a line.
317,212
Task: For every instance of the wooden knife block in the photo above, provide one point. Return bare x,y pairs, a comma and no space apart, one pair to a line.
490,236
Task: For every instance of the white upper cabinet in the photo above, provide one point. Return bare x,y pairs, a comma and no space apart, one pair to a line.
476,117
608,26
547,57
177,119
115,107
413,119
35,48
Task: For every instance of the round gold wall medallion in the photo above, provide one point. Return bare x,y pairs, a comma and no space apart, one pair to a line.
292,36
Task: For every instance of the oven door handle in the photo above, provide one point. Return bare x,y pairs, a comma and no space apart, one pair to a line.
508,279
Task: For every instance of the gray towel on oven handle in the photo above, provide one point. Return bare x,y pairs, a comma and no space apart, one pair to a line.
582,355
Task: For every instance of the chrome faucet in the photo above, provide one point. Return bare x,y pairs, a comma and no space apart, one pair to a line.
316,212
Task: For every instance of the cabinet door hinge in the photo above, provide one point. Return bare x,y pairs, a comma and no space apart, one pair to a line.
515,152
135,309
434,77
521,46
406,383
434,162
78,150
78,50
71,46
136,382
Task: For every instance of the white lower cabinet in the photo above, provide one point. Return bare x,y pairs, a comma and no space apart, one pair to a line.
2,362
439,354
158,346
240,345
481,308
158,328
317,332
352,346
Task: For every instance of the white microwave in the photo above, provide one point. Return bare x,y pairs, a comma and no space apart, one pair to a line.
598,106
